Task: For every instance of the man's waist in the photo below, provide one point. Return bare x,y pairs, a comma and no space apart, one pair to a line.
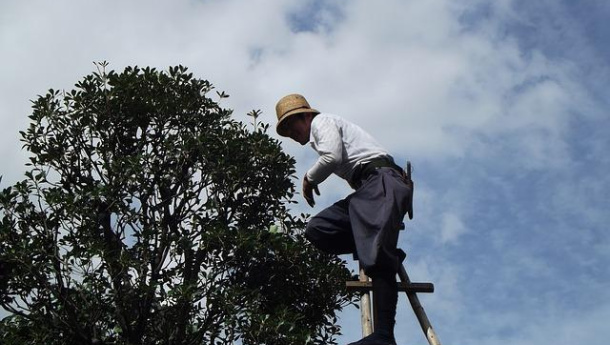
364,170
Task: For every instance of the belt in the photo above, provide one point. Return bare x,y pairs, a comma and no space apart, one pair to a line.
363,171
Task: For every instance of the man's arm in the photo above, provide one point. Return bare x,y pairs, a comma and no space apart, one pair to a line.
329,145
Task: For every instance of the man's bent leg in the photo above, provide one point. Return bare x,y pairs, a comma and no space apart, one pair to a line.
330,230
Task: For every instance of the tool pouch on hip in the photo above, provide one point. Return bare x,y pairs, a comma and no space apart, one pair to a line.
406,174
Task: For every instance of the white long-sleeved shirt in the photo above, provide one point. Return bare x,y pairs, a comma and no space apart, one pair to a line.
341,145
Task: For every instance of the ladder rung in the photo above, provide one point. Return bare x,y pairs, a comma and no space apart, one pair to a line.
408,287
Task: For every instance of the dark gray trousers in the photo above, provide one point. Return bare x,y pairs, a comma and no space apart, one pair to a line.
367,222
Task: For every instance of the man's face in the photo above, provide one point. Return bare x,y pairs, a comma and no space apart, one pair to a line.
298,128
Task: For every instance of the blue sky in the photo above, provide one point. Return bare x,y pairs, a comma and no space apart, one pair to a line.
502,106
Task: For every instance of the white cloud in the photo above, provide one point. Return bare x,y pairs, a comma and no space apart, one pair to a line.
452,228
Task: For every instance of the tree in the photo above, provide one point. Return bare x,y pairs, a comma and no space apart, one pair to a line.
149,216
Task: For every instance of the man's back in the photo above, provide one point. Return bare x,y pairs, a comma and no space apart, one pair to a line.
342,145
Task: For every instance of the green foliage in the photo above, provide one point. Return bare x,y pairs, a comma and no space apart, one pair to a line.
145,218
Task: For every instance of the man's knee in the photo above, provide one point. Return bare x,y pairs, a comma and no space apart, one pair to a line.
327,240
312,233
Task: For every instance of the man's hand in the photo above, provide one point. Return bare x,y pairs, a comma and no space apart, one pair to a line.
308,190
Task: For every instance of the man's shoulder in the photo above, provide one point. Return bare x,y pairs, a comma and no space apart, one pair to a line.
329,118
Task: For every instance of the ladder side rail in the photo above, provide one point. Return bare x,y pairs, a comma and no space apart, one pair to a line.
419,310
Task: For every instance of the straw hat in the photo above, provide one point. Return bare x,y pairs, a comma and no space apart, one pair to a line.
291,105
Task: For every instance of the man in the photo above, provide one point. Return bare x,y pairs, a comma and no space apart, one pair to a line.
368,220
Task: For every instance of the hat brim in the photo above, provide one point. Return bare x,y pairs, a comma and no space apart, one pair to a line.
281,124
